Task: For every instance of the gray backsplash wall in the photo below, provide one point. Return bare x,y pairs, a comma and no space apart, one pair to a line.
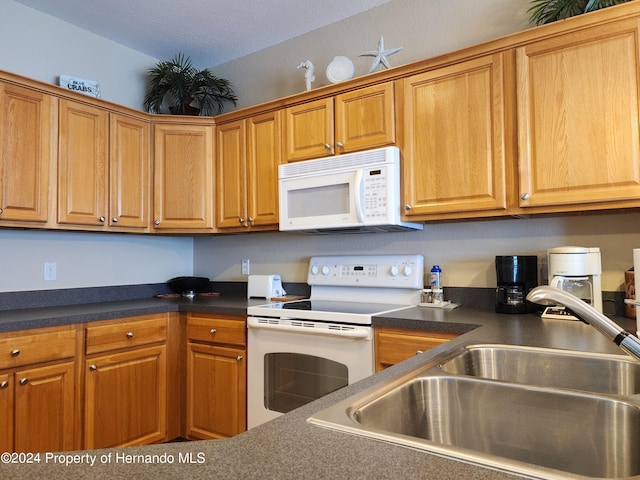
465,250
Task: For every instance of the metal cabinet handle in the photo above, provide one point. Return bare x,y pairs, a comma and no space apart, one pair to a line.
24,381
15,353
239,357
156,223
102,219
418,352
407,206
1,211
327,147
114,219
129,334
93,367
4,384
525,196
212,331
339,145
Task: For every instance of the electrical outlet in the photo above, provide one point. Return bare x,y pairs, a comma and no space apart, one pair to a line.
50,272
245,266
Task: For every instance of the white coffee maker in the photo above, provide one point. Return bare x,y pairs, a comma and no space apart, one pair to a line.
576,270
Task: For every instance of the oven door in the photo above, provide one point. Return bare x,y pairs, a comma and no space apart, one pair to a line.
293,362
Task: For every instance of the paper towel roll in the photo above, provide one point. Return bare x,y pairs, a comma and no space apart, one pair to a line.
636,269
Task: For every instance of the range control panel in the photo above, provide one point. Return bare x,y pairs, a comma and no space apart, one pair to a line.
389,271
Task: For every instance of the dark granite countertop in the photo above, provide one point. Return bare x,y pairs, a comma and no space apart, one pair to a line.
289,447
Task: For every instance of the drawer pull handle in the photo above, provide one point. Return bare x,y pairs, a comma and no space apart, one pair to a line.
93,367
4,384
212,331
129,334
239,357
24,381
418,352
15,353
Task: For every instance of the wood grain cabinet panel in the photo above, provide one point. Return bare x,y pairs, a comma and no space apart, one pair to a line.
27,153
247,159
454,140
578,118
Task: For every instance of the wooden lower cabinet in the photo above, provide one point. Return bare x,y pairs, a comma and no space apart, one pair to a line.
44,408
38,390
216,376
393,345
126,386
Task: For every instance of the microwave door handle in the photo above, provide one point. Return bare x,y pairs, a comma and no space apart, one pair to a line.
358,187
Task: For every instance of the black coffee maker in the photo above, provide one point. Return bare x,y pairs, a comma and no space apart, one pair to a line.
516,275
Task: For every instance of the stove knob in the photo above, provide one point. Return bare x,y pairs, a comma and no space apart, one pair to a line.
407,271
394,271
314,270
326,270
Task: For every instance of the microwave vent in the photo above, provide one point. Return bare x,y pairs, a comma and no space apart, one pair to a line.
339,162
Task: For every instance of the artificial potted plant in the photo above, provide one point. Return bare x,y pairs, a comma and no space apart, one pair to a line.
189,91
547,11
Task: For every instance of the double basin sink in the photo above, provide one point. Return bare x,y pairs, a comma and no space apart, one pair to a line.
539,412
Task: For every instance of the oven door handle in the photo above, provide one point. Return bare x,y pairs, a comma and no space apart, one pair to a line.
346,332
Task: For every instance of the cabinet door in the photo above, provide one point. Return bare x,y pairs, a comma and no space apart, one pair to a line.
129,172
183,178
216,391
454,138
6,412
263,157
125,398
82,164
365,118
45,408
231,175
308,130
578,117
26,149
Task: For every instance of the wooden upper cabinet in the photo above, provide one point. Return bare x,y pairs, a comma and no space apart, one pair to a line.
350,121
27,152
183,178
82,164
130,172
264,154
308,130
578,117
365,118
248,155
454,136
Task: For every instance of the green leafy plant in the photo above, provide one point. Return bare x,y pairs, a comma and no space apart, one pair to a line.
547,11
187,90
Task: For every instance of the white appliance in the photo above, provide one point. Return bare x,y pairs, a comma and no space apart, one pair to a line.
302,350
265,286
355,192
576,270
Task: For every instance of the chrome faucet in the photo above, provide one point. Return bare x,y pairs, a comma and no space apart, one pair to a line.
546,295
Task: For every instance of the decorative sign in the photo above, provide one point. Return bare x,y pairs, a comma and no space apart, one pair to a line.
81,85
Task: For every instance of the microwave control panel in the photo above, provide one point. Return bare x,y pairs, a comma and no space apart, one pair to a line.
375,193
401,271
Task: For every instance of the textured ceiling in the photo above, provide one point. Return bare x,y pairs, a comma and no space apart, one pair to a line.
211,32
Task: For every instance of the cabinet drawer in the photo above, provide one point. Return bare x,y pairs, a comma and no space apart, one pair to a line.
395,345
225,329
126,333
25,349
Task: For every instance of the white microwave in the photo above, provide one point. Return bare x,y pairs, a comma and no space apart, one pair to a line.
354,192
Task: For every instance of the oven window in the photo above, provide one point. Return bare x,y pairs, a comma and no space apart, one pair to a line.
318,201
293,379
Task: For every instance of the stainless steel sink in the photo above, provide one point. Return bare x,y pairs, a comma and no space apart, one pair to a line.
548,367
541,431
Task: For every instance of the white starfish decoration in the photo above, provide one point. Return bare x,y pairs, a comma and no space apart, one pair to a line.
381,55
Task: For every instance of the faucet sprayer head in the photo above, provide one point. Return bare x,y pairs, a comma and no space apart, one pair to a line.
547,295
